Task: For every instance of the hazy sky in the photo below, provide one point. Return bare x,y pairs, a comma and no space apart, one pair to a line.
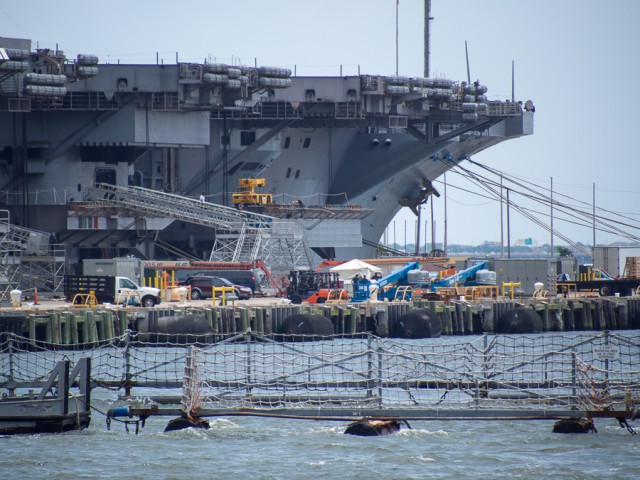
576,59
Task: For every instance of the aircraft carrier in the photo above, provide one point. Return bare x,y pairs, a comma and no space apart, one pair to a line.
366,145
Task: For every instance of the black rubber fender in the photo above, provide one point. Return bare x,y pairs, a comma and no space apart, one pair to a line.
306,324
419,323
183,324
180,329
520,320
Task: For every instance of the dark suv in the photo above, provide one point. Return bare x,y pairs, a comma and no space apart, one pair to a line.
201,287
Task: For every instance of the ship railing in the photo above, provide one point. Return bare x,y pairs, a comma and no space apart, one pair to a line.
493,108
85,101
165,101
51,196
398,121
348,110
276,110
503,109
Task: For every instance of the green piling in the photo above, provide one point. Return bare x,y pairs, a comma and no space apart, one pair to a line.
244,319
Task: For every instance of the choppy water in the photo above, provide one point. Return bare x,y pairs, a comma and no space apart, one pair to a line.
261,448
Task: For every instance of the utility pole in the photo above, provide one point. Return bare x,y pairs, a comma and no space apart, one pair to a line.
508,228
433,230
551,217
594,220
416,250
501,219
444,246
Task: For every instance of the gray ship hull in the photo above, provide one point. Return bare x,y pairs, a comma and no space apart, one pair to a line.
363,140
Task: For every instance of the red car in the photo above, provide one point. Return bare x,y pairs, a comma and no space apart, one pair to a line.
201,287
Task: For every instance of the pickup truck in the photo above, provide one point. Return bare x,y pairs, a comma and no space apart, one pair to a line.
109,289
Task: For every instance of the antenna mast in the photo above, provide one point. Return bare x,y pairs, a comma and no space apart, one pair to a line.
427,35
466,54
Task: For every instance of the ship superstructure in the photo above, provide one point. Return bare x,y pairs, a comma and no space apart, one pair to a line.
195,129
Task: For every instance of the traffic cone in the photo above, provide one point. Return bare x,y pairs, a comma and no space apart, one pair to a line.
35,296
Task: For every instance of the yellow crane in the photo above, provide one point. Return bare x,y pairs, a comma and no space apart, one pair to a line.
246,195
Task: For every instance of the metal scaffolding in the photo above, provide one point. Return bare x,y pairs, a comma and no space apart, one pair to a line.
240,236
28,260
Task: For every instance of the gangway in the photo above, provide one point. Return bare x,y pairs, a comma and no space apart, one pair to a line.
241,236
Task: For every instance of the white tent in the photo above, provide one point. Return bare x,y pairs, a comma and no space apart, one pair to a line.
349,269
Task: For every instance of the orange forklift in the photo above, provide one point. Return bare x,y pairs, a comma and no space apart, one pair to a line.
315,287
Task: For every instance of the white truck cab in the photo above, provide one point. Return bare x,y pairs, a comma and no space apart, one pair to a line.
127,290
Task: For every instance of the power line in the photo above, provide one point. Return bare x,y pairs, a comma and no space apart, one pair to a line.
567,212
13,21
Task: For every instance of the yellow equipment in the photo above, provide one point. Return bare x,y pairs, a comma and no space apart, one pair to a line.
246,195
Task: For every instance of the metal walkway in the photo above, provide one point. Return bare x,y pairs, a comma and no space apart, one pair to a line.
240,236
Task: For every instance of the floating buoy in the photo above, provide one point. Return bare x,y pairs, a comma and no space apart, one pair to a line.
574,425
181,423
371,428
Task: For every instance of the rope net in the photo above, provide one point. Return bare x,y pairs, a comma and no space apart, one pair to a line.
489,372
582,371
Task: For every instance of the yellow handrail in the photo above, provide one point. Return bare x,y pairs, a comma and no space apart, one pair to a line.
511,286
85,299
223,291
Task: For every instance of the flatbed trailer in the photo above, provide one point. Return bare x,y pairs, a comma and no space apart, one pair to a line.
623,287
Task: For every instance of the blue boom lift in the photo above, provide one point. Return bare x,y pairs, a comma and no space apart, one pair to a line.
462,276
394,281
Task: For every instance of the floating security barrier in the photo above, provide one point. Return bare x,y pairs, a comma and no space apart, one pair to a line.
180,423
374,427
574,425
